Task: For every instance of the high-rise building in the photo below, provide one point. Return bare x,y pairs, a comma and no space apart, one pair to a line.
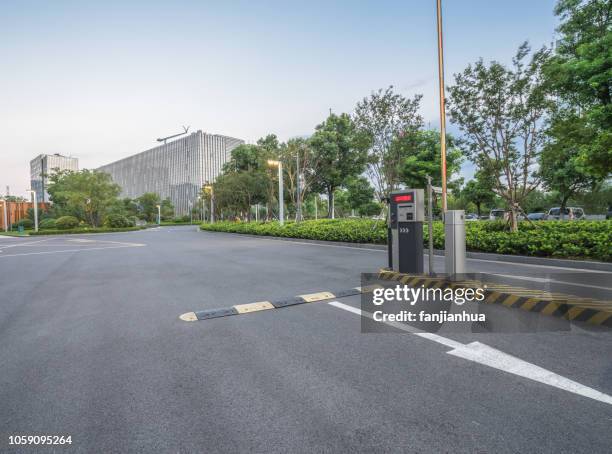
41,167
176,170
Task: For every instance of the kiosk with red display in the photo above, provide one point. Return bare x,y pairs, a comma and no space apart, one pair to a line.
405,231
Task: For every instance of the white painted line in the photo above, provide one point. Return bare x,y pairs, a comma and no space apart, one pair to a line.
489,356
25,244
71,250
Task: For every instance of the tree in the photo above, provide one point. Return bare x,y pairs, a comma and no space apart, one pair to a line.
245,157
561,166
384,116
236,192
86,194
148,206
419,155
166,209
360,196
479,191
289,154
340,151
501,111
580,74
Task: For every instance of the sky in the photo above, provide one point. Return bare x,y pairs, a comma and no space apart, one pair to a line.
101,80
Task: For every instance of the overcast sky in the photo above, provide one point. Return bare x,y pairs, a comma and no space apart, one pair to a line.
102,80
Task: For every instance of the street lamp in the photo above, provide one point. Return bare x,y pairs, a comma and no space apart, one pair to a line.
5,216
158,214
35,210
281,214
442,106
298,189
209,187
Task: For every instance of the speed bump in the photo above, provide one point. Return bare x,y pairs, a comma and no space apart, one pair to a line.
240,309
253,307
312,297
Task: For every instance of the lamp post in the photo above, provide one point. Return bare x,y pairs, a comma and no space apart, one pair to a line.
281,214
442,106
212,202
5,216
35,209
298,189
158,214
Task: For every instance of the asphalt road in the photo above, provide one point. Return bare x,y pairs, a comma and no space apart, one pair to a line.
91,346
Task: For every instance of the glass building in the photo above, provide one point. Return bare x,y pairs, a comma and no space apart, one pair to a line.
176,170
44,165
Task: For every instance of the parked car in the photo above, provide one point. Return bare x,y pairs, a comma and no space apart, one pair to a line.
497,214
569,214
471,217
537,216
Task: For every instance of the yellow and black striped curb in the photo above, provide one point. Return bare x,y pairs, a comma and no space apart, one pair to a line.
266,305
570,307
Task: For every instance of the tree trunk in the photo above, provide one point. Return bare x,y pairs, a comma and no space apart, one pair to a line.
513,220
478,209
330,203
562,209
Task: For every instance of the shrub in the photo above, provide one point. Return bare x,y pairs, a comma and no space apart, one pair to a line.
48,223
26,223
575,239
66,222
117,221
85,230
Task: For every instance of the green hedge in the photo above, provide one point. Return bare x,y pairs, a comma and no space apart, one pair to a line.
85,230
566,239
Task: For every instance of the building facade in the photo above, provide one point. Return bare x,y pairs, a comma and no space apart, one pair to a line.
44,165
176,170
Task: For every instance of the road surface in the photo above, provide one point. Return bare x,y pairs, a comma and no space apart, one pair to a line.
92,347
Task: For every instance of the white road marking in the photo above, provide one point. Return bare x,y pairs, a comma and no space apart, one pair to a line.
72,250
25,244
489,356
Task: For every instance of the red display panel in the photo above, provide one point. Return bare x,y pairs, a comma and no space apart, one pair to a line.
403,198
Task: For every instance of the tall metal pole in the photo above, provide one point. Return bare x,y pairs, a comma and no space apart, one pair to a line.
281,209
35,211
316,206
212,205
5,217
299,190
442,106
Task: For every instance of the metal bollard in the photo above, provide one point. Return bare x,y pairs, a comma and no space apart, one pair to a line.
454,243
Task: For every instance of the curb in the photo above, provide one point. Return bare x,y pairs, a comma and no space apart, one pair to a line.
486,256
558,305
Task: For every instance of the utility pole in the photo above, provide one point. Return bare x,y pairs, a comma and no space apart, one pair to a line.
35,210
299,191
442,102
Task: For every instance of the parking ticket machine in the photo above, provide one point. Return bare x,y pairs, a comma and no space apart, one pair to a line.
405,231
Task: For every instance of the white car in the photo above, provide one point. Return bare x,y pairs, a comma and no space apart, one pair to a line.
569,214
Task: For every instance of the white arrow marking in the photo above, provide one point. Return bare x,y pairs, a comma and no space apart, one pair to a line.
489,356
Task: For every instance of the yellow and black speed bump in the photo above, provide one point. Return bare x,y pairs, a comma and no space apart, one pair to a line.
265,305
559,305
